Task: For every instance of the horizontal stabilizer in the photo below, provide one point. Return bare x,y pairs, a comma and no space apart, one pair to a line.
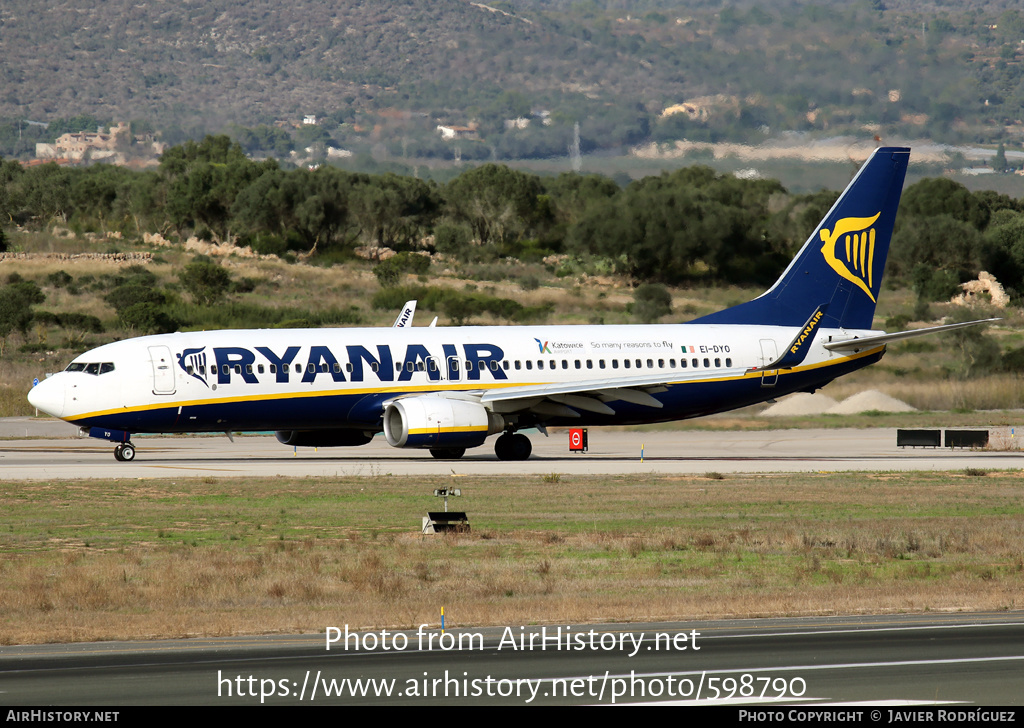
866,342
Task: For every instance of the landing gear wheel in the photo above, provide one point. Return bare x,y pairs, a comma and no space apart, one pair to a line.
513,447
447,453
124,453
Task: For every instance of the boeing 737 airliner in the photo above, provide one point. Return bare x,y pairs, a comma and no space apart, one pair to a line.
447,389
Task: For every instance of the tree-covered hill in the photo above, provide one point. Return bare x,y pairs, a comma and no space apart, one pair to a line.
946,70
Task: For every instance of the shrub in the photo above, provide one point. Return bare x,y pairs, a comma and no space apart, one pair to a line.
651,301
389,272
131,294
207,281
148,318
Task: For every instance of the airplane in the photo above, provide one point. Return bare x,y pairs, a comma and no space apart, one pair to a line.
447,389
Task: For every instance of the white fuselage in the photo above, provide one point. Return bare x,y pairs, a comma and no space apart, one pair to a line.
297,378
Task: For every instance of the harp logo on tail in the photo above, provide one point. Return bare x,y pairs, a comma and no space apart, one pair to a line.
850,251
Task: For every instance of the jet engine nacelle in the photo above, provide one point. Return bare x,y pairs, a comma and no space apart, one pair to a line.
324,438
439,422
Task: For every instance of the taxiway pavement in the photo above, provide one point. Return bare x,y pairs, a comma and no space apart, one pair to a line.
59,453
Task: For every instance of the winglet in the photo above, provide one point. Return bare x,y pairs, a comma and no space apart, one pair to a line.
404,319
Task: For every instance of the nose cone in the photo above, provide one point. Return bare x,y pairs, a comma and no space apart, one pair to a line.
48,396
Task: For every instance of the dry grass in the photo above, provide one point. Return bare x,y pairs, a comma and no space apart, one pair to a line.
994,392
87,560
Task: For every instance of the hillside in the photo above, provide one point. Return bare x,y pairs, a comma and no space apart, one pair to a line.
744,71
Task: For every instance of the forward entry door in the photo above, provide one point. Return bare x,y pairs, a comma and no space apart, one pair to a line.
163,370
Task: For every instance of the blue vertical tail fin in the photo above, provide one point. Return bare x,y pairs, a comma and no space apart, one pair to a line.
841,264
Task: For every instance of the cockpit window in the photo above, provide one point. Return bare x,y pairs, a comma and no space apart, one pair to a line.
95,368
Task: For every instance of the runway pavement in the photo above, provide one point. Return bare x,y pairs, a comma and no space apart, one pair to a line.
61,454
806,664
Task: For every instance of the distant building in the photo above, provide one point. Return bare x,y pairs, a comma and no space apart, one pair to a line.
458,132
309,119
114,146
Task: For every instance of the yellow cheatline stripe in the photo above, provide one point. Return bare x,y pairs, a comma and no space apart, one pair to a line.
461,386
435,430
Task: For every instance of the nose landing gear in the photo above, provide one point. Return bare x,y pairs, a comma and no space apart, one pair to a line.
125,450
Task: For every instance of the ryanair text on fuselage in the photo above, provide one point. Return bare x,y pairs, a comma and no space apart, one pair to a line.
357,364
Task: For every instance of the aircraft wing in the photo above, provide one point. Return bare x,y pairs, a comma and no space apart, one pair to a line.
865,342
594,395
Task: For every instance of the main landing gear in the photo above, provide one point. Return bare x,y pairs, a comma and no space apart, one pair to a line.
513,446
510,446
124,453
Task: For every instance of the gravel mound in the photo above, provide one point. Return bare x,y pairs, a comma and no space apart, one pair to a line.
799,404
871,400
